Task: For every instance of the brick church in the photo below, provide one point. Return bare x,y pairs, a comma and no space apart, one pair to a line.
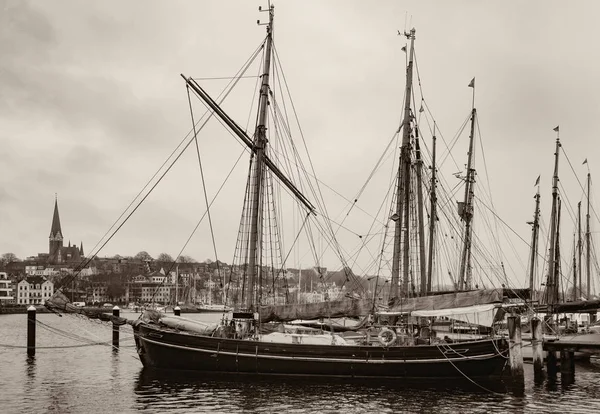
57,253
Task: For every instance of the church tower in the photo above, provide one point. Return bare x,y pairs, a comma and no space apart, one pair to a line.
56,237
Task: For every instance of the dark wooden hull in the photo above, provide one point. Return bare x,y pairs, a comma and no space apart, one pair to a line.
169,349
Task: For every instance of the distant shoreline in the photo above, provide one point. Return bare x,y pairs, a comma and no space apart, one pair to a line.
14,309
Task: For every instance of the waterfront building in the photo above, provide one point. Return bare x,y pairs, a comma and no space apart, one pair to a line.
6,293
34,290
152,288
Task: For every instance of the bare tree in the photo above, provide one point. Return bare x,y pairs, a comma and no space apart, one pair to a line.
6,258
164,257
143,255
186,259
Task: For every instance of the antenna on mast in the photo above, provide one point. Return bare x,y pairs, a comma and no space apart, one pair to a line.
269,9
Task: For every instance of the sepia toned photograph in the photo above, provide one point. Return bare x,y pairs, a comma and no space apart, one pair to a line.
335,206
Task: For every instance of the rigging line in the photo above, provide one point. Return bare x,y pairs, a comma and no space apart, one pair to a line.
317,179
569,208
340,195
509,227
278,68
292,143
377,165
280,206
212,233
439,131
513,248
258,82
230,85
244,137
201,219
226,92
282,132
278,116
133,211
384,203
487,176
364,244
274,191
226,77
454,141
244,225
294,242
326,215
578,181
330,241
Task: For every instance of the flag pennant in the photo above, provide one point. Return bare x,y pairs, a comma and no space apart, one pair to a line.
472,83
584,161
556,129
538,180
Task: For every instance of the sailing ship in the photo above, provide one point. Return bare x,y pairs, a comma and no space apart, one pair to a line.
256,339
552,302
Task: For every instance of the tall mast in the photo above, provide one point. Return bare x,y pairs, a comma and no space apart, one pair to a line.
587,240
466,212
575,269
177,285
534,244
579,254
552,260
555,285
260,142
403,191
433,217
419,164
299,282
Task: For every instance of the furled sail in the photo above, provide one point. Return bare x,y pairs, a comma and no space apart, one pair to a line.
578,306
332,309
445,301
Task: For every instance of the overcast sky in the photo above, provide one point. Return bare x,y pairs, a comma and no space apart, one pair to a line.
91,102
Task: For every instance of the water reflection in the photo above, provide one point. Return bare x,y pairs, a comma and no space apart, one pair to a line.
92,379
30,368
161,390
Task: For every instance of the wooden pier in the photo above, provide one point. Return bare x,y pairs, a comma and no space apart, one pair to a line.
566,348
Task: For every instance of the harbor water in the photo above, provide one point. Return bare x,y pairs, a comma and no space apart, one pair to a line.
75,370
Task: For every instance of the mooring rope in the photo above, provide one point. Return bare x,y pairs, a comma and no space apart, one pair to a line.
463,374
501,353
61,346
85,341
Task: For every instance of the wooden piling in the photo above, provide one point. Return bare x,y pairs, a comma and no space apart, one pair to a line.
567,367
515,354
536,346
177,311
115,331
551,365
31,312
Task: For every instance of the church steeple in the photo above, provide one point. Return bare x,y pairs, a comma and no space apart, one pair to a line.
56,237
81,249
55,230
